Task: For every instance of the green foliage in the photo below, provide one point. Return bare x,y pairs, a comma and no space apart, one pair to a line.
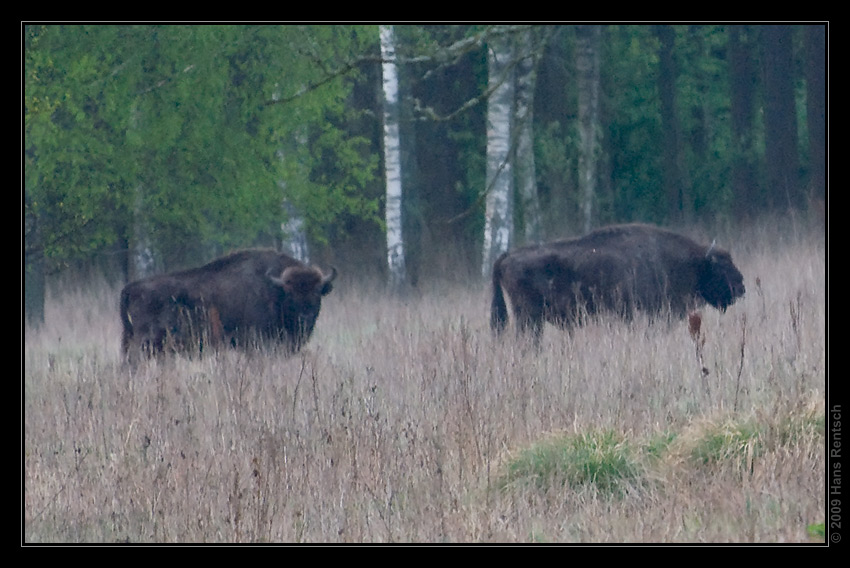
704,93
67,140
201,133
181,129
629,68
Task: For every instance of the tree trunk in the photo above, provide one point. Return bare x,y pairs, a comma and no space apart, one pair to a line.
815,43
142,262
587,70
293,234
34,289
392,161
498,215
780,123
742,82
674,187
34,281
524,119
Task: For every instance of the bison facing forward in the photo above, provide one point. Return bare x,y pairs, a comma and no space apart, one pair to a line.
243,297
621,268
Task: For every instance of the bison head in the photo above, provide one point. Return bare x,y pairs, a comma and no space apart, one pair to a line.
720,281
302,288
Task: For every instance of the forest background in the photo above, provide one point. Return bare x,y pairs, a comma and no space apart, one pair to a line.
156,147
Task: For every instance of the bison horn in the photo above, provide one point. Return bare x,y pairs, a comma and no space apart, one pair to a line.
282,280
326,285
274,279
328,278
285,278
708,252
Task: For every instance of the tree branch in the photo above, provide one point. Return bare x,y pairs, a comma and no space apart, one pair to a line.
536,52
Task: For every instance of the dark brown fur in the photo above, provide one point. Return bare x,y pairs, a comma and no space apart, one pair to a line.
620,269
240,298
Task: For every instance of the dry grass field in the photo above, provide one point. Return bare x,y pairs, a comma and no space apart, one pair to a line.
404,420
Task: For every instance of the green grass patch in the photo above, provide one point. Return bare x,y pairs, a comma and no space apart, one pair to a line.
613,464
738,443
817,531
603,459
657,445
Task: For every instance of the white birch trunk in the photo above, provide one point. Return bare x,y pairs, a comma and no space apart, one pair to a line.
142,262
587,66
525,170
392,159
293,235
498,215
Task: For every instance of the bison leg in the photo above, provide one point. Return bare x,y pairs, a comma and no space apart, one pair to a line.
529,320
216,328
212,335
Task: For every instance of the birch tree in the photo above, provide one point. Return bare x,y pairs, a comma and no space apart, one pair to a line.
141,262
392,160
498,215
587,67
293,234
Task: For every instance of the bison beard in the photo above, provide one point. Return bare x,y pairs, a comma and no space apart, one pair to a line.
617,269
247,297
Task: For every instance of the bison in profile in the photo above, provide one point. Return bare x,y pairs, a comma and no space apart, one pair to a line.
618,269
239,299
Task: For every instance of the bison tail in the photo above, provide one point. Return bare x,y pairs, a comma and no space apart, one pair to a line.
498,309
126,322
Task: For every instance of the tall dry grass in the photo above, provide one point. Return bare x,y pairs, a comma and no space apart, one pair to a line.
403,418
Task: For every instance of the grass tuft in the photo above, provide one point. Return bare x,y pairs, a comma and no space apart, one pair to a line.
603,459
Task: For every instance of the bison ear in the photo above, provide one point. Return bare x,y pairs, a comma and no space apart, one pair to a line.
327,282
